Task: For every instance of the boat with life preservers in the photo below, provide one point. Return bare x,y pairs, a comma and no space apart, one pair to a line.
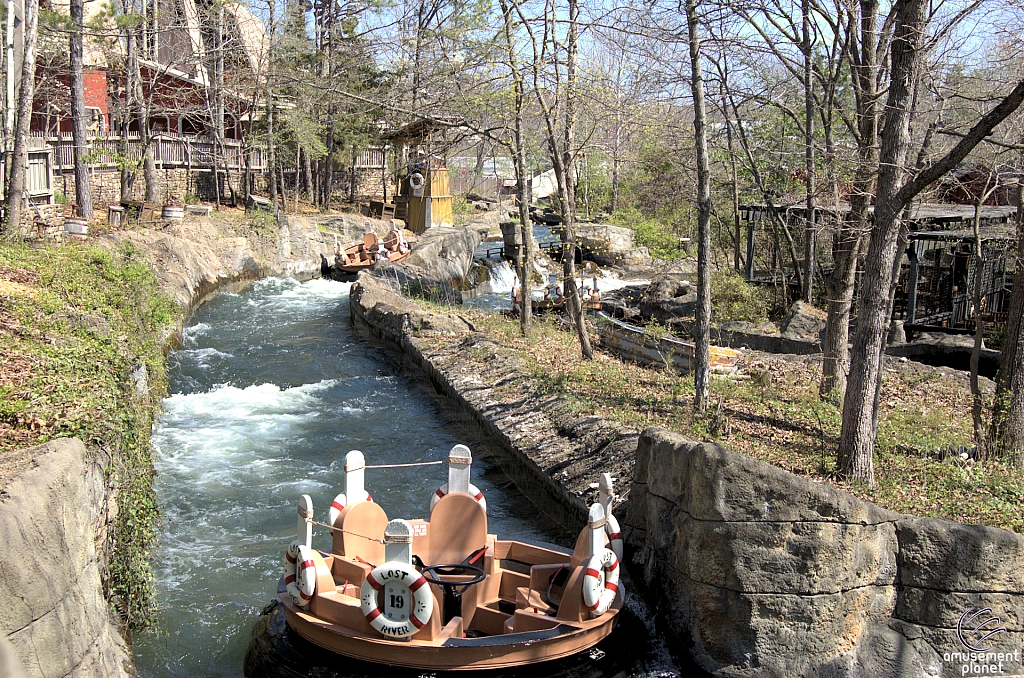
441,593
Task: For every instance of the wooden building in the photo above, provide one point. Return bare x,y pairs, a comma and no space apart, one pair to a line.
935,287
424,198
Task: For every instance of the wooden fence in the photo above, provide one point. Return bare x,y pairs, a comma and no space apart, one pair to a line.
169,151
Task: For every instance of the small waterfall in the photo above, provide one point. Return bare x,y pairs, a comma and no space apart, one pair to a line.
502,277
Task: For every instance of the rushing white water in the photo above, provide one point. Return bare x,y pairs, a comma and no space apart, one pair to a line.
270,390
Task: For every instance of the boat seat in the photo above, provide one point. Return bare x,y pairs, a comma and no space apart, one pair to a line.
370,240
458,528
363,531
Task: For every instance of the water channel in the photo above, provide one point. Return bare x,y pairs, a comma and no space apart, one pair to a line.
271,388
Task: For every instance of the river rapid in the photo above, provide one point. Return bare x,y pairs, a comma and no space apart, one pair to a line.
270,390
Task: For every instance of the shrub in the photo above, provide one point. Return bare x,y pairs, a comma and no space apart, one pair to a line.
733,298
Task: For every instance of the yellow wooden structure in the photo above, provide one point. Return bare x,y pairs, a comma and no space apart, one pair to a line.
434,207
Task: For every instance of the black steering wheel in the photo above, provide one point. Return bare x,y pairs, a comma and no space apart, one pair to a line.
453,571
453,590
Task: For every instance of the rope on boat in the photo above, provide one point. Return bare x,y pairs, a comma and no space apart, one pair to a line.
418,463
338,529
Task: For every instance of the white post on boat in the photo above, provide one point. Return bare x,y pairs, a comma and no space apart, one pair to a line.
460,459
305,517
355,464
398,542
367,227
597,522
605,486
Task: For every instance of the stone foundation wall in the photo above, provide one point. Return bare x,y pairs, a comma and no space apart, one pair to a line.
176,186
769,574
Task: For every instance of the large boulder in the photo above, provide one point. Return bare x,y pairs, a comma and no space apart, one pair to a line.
803,321
444,253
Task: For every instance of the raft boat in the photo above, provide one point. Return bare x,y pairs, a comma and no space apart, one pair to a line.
371,251
443,594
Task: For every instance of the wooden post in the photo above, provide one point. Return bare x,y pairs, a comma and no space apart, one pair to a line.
460,459
398,542
914,253
597,522
751,225
355,466
305,512
606,492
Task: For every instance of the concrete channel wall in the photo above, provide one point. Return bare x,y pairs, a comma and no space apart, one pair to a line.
760,572
635,344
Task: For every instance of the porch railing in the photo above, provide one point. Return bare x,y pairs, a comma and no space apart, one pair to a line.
169,151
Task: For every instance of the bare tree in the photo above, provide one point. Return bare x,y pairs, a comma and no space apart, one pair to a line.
19,162
702,331
893,192
83,192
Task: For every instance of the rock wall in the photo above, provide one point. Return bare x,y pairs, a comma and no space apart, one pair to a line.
769,574
52,520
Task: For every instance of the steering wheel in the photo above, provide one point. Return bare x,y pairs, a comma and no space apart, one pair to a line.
432,573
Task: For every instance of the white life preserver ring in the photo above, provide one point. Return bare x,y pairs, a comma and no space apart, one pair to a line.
404,603
299,573
338,505
611,528
601,582
416,180
473,490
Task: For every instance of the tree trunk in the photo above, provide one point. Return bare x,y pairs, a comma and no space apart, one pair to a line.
524,264
19,163
850,232
307,172
573,303
979,334
83,192
856,445
702,330
809,229
1006,431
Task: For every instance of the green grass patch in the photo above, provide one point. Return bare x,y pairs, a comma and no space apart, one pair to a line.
775,415
75,324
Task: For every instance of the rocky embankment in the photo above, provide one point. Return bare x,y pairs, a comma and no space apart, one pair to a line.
758,571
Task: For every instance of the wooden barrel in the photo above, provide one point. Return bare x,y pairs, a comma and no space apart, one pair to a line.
76,227
172,213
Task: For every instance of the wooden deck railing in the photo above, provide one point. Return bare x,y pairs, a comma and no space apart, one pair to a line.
168,150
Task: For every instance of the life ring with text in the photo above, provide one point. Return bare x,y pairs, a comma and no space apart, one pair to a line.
473,490
601,582
299,573
416,181
396,600
338,505
611,528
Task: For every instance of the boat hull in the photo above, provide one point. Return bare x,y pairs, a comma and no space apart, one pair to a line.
463,654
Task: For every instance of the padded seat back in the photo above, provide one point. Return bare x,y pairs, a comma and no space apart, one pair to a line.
360,521
458,527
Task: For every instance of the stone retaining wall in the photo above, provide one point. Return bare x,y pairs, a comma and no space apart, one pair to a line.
770,574
635,344
52,521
